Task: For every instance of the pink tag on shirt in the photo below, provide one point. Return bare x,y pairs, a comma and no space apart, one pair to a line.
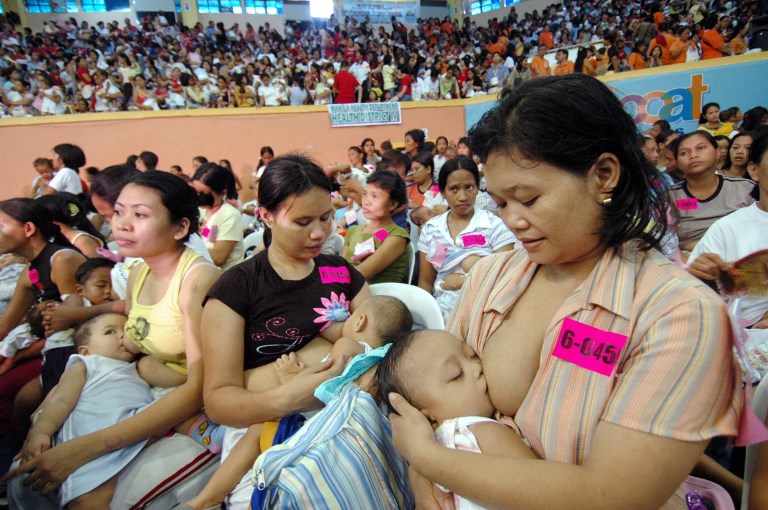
350,217
34,276
381,235
210,233
687,204
441,251
473,240
363,249
589,347
330,274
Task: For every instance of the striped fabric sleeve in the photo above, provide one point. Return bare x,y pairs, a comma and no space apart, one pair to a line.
672,382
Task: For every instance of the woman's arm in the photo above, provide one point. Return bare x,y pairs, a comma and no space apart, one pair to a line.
427,273
226,400
656,465
221,251
387,253
52,467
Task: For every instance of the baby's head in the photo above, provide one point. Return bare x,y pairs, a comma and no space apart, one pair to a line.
103,335
379,320
94,280
35,318
437,373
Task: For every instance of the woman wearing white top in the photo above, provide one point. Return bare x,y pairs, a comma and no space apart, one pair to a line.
106,93
67,159
51,95
450,244
221,223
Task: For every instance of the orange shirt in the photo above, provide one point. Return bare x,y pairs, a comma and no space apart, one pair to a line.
658,18
546,38
666,58
504,43
710,41
680,58
447,27
564,68
539,67
589,66
635,61
495,48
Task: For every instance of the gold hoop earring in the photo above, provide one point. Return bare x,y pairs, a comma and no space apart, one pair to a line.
607,202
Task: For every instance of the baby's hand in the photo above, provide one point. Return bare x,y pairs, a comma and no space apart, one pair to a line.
35,444
287,367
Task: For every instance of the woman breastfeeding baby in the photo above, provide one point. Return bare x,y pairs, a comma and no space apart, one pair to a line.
288,299
615,364
154,215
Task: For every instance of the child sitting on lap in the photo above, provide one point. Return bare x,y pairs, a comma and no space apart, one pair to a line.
442,376
100,373
377,321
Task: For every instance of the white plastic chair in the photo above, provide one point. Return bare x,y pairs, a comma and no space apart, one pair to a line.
338,243
760,406
251,242
426,312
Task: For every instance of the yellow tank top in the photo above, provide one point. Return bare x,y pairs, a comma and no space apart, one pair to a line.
158,329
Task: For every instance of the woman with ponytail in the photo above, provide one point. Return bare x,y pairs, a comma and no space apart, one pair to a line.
27,230
221,224
68,214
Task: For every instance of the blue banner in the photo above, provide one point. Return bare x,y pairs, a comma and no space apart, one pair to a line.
678,96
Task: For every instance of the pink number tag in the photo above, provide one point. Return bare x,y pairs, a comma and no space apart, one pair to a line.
350,217
34,276
381,235
589,347
206,232
330,274
687,204
473,240
363,249
438,258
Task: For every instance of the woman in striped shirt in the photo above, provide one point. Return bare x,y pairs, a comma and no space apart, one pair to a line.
615,364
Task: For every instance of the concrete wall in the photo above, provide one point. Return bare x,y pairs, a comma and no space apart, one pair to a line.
36,20
522,8
297,11
257,20
177,137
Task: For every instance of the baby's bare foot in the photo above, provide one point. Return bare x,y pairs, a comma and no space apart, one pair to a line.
287,366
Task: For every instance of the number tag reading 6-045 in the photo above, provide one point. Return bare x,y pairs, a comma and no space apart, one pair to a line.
589,347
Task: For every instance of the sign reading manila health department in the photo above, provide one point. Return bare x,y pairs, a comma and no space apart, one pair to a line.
364,114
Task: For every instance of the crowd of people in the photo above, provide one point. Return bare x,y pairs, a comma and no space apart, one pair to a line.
77,68
585,344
